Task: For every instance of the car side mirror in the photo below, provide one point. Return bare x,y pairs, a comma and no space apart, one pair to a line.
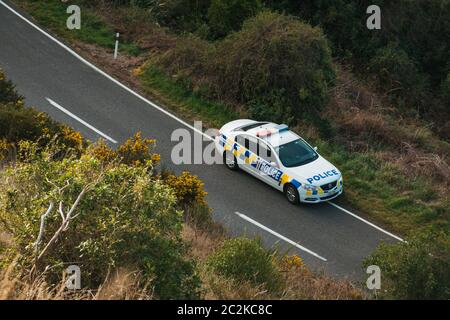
315,148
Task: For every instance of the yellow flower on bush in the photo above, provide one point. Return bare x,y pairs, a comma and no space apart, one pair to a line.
102,151
156,158
137,71
188,188
293,261
137,151
73,138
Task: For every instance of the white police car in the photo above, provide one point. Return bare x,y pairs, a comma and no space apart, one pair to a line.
280,158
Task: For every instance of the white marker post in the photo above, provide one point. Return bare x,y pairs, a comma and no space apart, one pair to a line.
117,46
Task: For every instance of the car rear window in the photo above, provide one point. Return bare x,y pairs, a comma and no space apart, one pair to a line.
251,126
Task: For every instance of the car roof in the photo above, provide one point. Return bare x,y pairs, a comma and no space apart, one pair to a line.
275,139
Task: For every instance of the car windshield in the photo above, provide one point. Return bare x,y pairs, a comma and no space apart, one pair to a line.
296,153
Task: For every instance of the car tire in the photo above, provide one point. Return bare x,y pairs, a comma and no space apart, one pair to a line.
230,161
291,194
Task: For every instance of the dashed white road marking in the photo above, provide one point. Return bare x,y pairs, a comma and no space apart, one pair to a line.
367,222
70,114
295,244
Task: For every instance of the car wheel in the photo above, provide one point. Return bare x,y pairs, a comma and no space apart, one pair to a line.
291,193
230,161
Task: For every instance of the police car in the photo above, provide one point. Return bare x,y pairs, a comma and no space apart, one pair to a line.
281,158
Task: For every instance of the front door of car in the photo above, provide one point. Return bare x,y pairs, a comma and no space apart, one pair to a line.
269,168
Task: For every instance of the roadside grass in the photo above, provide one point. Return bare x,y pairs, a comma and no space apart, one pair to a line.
379,190
52,14
181,99
384,194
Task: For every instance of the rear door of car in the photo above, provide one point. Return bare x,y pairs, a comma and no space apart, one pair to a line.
247,155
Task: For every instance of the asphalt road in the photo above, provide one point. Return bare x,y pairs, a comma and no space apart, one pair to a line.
41,68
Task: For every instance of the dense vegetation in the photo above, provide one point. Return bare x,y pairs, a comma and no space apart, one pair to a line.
409,56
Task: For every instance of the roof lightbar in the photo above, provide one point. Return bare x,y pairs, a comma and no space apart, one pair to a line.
269,131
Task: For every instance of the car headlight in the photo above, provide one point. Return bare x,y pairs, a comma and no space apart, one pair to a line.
309,187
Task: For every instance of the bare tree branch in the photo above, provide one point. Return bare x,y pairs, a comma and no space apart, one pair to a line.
65,221
66,218
42,226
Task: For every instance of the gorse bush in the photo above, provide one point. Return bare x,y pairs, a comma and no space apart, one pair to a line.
243,259
188,188
124,218
417,269
19,123
123,215
137,151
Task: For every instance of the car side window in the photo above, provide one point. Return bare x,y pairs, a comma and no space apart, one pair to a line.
266,153
252,144
248,142
242,141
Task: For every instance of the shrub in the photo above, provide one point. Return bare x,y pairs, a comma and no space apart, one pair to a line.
244,259
8,92
101,151
199,216
272,57
225,16
188,188
189,58
417,269
137,151
125,219
21,123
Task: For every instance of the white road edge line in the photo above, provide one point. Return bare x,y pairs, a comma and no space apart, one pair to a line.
76,55
367,222
256,223
53,103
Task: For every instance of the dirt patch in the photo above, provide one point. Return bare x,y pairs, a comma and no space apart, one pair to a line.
5,239
121,68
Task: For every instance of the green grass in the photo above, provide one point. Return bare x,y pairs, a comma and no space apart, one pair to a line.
385,194
52,14
184,100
